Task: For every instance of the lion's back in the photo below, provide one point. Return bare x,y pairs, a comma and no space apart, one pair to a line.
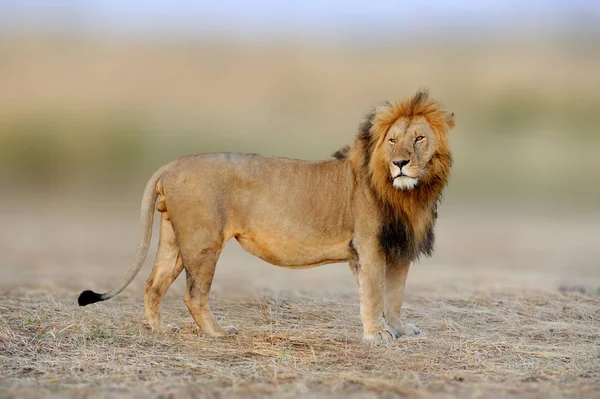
249,192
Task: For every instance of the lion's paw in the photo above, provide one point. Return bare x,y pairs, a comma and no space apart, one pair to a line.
411,329
163,328
407,329
223,332
231,330
385,334
172,327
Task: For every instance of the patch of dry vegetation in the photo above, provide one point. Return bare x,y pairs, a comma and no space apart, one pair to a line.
301,345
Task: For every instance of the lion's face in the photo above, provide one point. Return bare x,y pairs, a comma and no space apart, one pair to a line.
410,144
403,145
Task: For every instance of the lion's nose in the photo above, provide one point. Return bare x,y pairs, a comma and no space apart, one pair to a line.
401,164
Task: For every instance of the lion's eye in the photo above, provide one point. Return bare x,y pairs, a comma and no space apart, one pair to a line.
419,138
392,141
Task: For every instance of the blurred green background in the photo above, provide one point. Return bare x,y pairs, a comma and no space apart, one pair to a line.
93,101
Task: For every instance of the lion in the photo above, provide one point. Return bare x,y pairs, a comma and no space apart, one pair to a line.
373,205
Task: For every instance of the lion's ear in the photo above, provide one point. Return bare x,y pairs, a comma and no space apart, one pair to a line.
450,120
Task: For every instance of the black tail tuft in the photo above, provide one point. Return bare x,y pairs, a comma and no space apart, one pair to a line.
87,297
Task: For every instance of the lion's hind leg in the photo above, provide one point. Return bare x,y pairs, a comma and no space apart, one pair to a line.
167,267
200,263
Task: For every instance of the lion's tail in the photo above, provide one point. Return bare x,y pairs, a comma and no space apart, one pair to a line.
147,217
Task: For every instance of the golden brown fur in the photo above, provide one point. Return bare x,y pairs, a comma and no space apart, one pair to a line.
373,206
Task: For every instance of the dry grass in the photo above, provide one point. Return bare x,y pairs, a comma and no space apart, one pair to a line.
294,345
493,321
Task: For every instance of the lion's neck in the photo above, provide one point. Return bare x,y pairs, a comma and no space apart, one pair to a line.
409,216
409,219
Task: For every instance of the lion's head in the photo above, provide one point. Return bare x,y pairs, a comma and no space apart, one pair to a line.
407,143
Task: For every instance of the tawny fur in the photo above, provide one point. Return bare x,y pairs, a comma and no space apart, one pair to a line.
300,214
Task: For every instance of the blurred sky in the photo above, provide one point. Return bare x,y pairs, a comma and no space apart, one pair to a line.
306,18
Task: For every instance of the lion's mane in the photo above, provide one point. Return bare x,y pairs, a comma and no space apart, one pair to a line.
407,217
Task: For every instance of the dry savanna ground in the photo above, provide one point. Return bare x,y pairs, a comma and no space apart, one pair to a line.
494,320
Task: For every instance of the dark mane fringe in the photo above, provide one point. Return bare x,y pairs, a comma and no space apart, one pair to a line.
397,237
342,153
365,138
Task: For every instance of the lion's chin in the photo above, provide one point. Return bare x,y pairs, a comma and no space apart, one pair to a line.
405,183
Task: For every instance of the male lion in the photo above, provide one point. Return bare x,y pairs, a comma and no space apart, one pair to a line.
374,206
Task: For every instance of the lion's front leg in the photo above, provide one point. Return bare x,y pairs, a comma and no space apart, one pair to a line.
369,269
395,280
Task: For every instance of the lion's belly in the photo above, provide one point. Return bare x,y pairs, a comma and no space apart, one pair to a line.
296,253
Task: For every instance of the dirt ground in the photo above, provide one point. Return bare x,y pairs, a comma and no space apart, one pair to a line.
493,317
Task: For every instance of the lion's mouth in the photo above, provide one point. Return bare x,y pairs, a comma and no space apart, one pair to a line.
401,174
404,182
